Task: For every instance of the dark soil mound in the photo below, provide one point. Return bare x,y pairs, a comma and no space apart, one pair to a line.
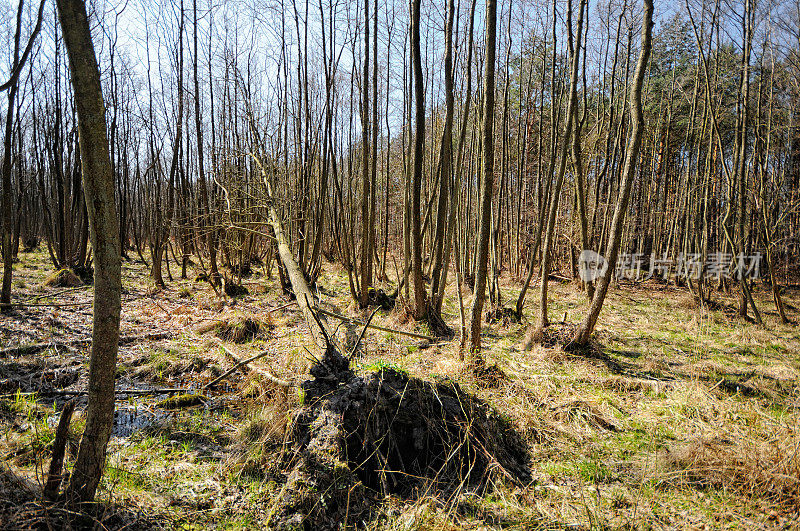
85,273
489,375
557,334
30,244
469,281
378,297
388,433
232,289
504,316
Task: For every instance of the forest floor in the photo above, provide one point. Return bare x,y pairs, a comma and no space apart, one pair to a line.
690,419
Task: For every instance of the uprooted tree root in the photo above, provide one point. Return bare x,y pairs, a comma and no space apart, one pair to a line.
391,434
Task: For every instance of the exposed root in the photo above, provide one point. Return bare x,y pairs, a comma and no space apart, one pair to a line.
555,335
391,434
378,297
232,289
561,335
85,273
437,324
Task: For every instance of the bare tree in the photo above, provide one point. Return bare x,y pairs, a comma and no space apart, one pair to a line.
487,187
586,327
98,184
565,143
12,85
420,304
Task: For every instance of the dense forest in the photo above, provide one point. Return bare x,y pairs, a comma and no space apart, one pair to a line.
359,264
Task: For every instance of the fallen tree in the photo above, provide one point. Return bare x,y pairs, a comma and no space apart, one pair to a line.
383,433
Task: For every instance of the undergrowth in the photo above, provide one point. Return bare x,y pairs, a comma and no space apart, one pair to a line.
694,423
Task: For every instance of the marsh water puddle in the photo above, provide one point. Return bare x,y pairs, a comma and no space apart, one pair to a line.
128,420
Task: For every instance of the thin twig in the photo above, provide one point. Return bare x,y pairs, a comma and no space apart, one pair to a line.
44,304
68,392
363,331
38,347
319,322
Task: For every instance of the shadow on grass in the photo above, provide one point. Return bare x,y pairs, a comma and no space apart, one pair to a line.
748,384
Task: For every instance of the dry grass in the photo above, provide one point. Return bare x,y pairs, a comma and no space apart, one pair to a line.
238,326
695,426
755,463
63,278
259,443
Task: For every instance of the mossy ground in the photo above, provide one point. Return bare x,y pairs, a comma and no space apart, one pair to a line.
609,448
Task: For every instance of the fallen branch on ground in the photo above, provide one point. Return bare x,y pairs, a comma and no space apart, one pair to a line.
24,304
57,293
361,336
68,392
44,304
38,347
241,363
281,307
54,475
376,327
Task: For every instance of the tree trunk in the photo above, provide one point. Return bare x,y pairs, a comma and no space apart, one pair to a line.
580,192
487,188
8,214
420,305
439,274
98,186
366,228
556,192
632,154
8,217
